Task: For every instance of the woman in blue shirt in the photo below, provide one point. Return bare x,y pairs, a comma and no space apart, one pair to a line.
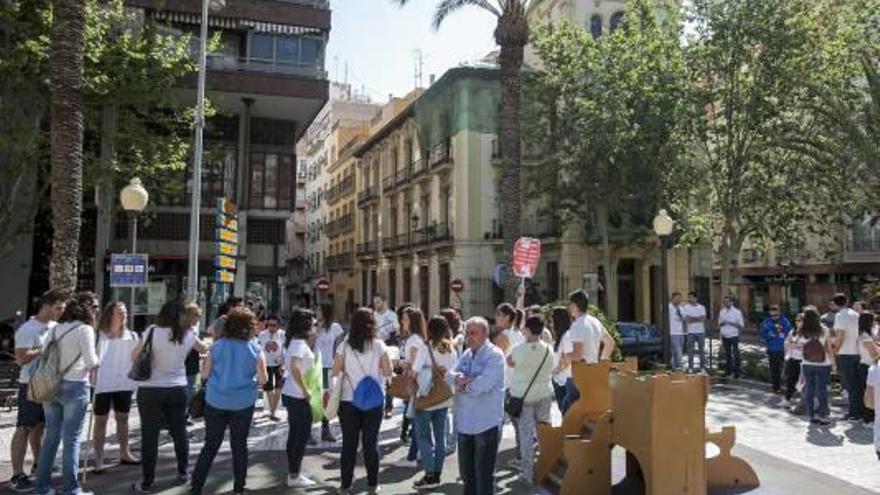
235,368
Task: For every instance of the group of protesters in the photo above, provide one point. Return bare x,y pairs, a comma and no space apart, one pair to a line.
463,379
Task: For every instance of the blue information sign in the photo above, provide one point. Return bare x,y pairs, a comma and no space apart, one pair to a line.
128,270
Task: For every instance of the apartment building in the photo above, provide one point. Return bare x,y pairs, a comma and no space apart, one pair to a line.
329,217
268,83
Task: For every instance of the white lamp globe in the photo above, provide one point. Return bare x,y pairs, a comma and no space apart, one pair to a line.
663,224
134,197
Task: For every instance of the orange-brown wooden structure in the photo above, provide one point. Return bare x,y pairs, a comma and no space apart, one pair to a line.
658,419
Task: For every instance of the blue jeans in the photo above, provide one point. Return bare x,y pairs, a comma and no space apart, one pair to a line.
431,430
676,342
571,396
848,367
816,387
216,422
476,461
732,357
696,341
65,417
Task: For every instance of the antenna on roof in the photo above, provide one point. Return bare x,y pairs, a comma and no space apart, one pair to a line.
419,63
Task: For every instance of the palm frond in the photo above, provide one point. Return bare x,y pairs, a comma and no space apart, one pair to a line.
447,7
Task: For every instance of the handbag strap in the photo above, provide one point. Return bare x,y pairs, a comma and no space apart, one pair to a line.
537,371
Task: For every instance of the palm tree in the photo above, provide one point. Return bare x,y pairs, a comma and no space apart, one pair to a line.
66,82
511,35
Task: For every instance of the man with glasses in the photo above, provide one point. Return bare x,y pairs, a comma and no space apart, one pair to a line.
774,330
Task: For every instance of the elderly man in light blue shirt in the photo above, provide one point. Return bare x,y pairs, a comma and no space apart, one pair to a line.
479,408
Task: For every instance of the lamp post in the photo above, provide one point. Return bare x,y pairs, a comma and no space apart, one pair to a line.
663,226
193,269
134,199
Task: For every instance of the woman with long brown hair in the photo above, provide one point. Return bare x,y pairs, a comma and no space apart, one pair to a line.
113,388
816,366
415,343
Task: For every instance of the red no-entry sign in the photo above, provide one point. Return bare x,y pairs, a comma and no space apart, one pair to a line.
322,285
456,286
526,253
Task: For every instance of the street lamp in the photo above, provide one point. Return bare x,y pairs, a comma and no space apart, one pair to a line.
134,199
663,226
193,270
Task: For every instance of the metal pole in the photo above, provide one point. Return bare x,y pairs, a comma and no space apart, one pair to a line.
664,269
194,238
134,243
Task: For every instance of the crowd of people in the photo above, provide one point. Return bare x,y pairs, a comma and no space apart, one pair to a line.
463,380
459,379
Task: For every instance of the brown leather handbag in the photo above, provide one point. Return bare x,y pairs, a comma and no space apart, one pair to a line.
440,389
401,387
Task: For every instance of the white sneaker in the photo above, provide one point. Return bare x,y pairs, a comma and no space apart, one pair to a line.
300,481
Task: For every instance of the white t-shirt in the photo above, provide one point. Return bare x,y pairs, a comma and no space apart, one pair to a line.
676,321
31,335
272,346
446,361
325,338
298,349
795,346
587,330
168,357
848,321
695,311
730,315
357,365
565,347
76,343
865,356
514,338
115,357
874,382
386,324
413,346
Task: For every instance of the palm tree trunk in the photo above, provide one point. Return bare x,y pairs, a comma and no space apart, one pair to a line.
66,69
511,34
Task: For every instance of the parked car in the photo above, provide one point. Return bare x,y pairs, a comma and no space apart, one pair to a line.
641,340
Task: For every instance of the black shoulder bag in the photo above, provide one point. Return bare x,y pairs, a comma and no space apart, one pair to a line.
142,367
513,406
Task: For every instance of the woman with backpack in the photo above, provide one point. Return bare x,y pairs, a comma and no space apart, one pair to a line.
362,364
437,354
235,368
162,397
72,342
113,388
298,359
816,366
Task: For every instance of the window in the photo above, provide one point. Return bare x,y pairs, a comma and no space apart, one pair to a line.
596,25
407,285
262,46
392,287
616,21
424,286
270,194
287,50
271,181
311,49
445,282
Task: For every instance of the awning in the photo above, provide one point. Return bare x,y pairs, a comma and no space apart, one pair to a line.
232,23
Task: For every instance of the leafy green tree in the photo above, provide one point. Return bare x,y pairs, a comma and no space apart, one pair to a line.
762,167
511,35
609,111
133,124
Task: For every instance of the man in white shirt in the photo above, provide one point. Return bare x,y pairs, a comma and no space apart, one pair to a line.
846,328
387,325
29,339
271,341
590,340
695,320
730,324
677,332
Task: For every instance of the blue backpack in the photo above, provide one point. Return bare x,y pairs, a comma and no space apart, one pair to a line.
368,394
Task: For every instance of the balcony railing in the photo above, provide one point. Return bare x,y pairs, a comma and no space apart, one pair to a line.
339,262
232,63
364,197
366,248
342,188
440,154
863,242
419,167
441,233
315,4
389,243
402,177
388,183
341,225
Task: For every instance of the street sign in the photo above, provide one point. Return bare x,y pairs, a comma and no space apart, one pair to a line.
227,235
456,286
226,249
322,285
230,223
526,253
129,270
224,277
226,206
225,262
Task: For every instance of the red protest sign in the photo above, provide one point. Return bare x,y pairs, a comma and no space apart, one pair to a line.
526,253
322,285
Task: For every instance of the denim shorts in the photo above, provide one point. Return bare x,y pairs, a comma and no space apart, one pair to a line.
30,414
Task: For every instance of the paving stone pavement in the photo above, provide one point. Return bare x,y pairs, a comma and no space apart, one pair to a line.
789,456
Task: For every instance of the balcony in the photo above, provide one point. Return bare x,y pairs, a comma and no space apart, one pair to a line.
366,248
368,194
388,183
339,262
340,189
862,243
441,233
541,228
315,4
341,225
402,177
389,243
440,155
418,167
230,63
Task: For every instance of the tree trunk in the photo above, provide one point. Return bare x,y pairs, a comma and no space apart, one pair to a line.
511,34
66,72
105,194
610,308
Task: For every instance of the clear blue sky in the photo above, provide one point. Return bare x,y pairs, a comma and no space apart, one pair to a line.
377,40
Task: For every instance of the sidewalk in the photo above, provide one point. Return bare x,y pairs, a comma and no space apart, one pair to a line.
789,456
